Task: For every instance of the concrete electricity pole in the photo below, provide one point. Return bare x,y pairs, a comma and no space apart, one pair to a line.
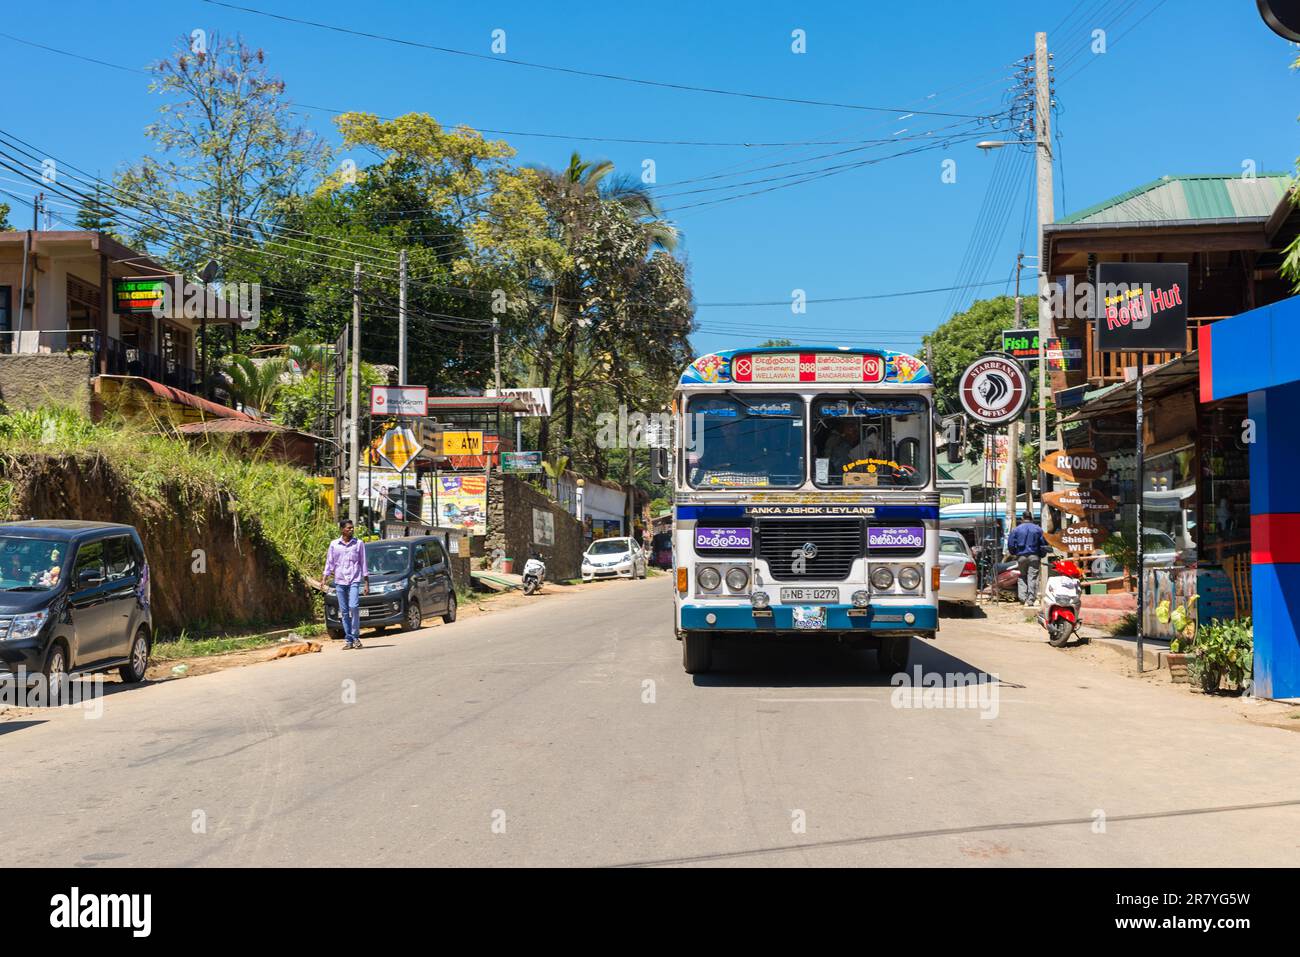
401,318
1046,215
1012,476
354,440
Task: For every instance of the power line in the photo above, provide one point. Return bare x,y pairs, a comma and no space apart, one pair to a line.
494,58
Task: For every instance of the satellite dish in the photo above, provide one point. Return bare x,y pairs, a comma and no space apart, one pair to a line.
1282,17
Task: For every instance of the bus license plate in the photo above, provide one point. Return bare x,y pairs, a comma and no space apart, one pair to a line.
795,596
809,617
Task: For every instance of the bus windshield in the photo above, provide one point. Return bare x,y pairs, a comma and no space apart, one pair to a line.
863,440
745,441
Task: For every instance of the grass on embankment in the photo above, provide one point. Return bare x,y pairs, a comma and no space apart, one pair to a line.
278,503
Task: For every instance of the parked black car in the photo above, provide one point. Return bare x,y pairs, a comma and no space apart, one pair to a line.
410,579
74,598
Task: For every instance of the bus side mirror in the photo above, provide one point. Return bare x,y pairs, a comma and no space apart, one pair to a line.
954,430
659,467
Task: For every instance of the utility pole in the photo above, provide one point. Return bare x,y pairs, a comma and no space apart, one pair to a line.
354,438
1046,215
22,290
1010,479
401,318
496,353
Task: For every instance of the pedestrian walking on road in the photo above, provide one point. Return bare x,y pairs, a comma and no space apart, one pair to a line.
1027,545
346,562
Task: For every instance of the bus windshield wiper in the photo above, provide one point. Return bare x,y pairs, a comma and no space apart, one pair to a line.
736,398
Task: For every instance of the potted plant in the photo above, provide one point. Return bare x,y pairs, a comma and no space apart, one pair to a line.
1183,619
1120,549
1224,650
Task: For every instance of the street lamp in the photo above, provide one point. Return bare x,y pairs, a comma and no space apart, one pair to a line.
994,144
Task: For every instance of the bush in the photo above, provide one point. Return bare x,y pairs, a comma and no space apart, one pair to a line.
1223,649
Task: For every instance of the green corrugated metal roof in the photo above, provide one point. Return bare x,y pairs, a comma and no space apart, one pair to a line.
1199,197
972,472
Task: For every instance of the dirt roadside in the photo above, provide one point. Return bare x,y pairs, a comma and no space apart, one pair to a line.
1008,619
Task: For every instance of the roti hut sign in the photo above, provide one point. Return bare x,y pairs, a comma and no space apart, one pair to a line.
1143,307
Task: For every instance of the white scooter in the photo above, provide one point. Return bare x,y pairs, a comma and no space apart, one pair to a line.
534,574
1062,602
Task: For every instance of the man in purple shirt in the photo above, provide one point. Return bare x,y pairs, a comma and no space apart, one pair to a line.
346,561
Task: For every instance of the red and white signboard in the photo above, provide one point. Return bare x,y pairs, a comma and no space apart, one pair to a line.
401,400
808,367
994,389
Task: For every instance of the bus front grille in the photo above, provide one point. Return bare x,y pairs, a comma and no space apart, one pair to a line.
837,542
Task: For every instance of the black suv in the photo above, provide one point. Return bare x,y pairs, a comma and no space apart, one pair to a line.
410,579
74,597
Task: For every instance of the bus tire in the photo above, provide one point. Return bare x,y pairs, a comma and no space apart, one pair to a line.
697,652
892,655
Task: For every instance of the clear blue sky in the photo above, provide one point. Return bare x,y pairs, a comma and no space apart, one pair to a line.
1196,86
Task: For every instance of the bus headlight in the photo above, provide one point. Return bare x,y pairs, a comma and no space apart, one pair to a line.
737,579
760,599
708,578
882,578
909,577
861,598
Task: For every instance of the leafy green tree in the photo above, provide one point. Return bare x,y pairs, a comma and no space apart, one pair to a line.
956,343
228,150
4,218
1291,263
775,343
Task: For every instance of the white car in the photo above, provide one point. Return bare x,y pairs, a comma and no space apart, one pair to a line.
613,558
957,573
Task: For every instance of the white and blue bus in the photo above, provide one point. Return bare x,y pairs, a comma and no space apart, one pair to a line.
805,499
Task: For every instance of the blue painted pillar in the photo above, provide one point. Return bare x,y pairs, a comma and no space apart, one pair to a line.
1275,539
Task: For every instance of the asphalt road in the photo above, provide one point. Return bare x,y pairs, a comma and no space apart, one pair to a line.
564,732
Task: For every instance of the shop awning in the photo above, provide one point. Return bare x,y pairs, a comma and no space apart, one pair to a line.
1173,376
1250,351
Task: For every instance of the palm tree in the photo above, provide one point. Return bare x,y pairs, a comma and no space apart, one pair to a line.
255,384
573,196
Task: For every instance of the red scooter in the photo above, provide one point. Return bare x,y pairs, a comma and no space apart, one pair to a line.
1062,602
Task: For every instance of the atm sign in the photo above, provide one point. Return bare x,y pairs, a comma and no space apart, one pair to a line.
808,367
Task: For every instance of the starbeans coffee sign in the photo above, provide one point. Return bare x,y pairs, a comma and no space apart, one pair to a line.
994,389
1080,501
1079,538
1074,465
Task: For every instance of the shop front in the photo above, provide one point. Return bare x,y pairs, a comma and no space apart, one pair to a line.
1249,356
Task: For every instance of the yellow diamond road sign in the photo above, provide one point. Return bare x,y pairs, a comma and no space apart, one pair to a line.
399,446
